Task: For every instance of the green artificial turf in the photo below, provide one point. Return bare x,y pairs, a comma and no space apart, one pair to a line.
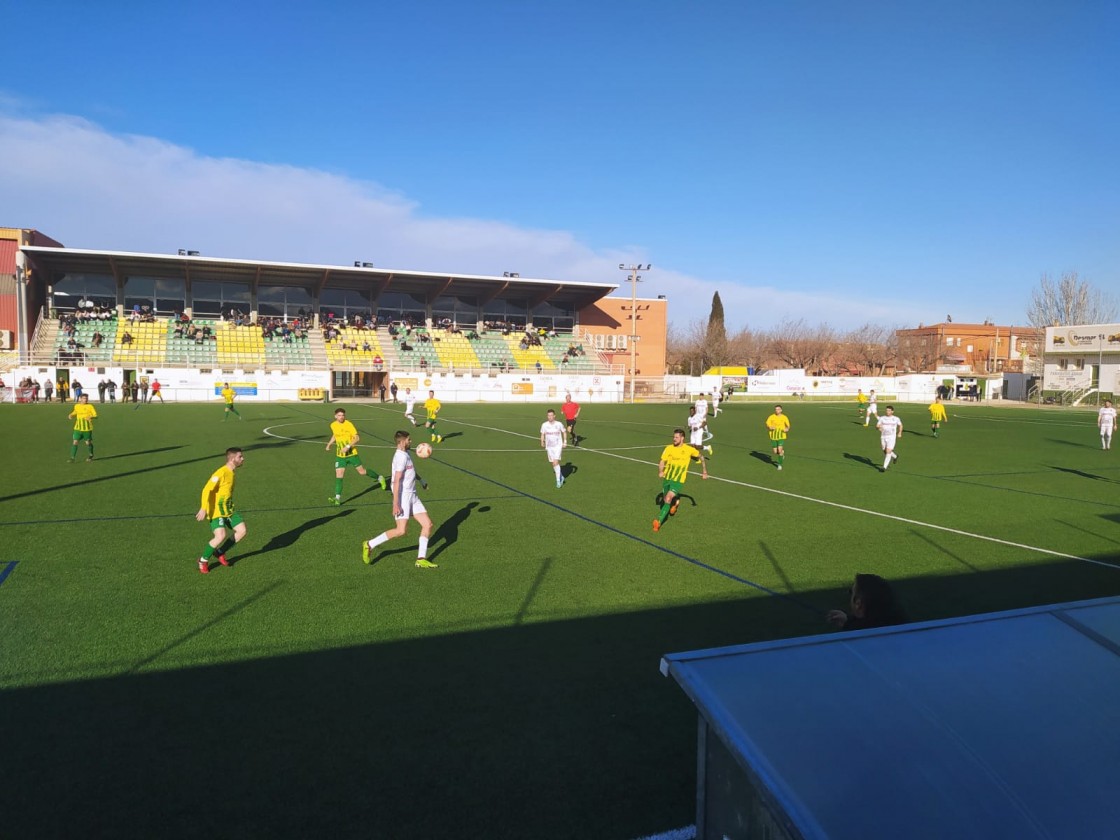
514,691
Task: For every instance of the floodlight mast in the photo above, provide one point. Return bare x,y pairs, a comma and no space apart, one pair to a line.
635,279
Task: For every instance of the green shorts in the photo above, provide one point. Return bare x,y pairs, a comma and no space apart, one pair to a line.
229,522
347,461
774,444
672,486
83,436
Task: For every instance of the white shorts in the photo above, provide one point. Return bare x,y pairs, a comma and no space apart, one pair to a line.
553,452
696,438
871,409
889,441
410,506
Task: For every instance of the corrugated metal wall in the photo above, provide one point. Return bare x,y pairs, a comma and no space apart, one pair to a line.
9,312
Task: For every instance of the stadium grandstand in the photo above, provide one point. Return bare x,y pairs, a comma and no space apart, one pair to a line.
337,330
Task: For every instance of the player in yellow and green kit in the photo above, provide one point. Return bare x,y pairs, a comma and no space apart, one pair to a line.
673,471
937,416
82,415
345,438
861,404
228,395
432,406
778,426
217,508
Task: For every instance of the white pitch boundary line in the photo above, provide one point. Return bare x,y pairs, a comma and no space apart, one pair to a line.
842,506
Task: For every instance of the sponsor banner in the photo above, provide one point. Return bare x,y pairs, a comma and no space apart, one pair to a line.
242,389
521,388
315,394
1091,337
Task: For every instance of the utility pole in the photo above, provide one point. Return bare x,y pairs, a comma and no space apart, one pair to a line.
635,278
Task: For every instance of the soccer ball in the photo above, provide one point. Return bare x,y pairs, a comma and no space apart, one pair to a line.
424,450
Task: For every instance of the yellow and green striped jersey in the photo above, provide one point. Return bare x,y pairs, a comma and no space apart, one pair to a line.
778,424
344,433
861,399
228,394
83,417
936,412
432,406
677,459
217,495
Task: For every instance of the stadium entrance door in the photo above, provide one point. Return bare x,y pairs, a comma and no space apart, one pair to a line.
355,383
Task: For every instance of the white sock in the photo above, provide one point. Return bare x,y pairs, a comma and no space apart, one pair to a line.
887,460
556,469
378,540
423,552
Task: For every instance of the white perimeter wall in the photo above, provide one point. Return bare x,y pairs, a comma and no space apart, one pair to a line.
178,385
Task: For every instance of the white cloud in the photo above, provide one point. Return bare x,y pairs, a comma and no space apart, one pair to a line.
90,188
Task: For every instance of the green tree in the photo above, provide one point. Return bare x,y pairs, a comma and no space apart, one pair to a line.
715,341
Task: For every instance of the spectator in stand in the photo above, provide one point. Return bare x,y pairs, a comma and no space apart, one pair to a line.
393,391
48,390
101,386
112,387
35,388
144,390
134,390
76,387
126,338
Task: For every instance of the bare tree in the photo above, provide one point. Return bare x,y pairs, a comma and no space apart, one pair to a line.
797,345
1068,301
870,349
684,348
747,348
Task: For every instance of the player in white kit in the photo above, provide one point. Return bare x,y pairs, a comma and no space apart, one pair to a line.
406,505
1106,422
697,428
409,405
715,402
553,434
872,408
890,430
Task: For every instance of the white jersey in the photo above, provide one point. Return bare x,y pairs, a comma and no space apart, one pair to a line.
402,463
553,433
701,408
696,429
873,405
1106,419
889,426
409,403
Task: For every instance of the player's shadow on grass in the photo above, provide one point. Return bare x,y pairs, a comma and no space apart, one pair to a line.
289,537
1083,474
568,470
144,452
764,457
373,487
447,534
1075,443
450,435
862,459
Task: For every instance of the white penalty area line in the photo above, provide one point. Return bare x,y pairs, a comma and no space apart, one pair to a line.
841,506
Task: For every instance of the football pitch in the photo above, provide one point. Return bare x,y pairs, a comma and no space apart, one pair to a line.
514,691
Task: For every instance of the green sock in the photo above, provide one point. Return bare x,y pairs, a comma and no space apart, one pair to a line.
338,487
73,452
235,411
209,552
781,459
91,449
664,513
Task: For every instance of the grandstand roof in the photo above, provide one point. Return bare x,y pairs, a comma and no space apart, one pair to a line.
120,264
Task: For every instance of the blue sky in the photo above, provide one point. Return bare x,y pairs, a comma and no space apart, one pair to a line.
890,162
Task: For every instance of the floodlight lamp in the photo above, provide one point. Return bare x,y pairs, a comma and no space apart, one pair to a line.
367,265
182,252
357,263
193,254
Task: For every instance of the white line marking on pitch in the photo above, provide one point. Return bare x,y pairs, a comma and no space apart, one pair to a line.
841,506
